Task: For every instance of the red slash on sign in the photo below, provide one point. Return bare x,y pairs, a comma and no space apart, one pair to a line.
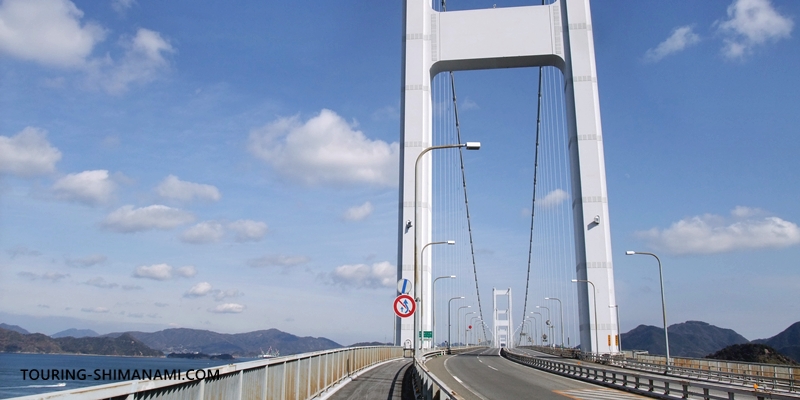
404,306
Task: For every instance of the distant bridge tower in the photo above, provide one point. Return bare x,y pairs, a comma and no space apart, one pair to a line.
560,35
502,320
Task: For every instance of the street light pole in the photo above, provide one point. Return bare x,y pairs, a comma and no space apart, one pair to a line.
465,326
417,291
458,321
596,327
540,324
535,321
561,318
619,330
549,324
471,323
433,306
422,281
449,308
663,303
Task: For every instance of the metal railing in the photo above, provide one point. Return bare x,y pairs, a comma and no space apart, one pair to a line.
767,376
426,385
654,386
782,376
298,377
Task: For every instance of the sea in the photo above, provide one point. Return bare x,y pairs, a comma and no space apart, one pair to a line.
15,382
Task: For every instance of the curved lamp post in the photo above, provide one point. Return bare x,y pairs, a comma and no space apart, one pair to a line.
535,321
465,326
596,327
472,322
421,253
458,321
469,146
561,318
449,308
433,305
663,304
540,323
549,324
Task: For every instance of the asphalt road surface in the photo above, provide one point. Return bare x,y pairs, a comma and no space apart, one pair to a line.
382,382
484,375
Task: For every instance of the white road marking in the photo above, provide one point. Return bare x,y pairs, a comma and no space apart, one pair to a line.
459,380
492,367
598,394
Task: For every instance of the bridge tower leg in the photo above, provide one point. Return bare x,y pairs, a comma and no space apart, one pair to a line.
501,323
558,34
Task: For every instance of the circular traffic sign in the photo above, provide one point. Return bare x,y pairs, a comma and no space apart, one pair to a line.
404,306
404,286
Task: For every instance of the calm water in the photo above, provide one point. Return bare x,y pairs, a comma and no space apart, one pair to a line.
12,383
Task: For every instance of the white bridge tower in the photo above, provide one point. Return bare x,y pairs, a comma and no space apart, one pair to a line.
560,35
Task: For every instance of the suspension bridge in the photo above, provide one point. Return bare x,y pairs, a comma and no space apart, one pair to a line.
456,341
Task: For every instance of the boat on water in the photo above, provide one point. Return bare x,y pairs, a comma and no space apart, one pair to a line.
271,353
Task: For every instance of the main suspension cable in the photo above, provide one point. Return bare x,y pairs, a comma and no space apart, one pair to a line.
533,200
466,201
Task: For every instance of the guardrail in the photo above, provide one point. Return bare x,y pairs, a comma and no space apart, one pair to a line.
298,377
665,388
426,385
769,376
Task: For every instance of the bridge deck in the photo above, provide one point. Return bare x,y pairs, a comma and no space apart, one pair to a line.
382,382
483,374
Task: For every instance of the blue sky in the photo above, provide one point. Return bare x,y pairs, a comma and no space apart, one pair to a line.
234,167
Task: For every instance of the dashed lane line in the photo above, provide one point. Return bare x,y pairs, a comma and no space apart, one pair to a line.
597,394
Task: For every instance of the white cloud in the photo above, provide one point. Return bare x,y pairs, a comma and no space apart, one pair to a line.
88,187
122,6
325,150
204,232
358,213
752,23
87,261
386,113
248,230
199,290
159,272
99,310
277,261
467,104
681,38
554,198
27,153
128,219
227,308
47,31
382,274
708,234
173,188
223,294
186,271
101,283
20,250
142,62
47,276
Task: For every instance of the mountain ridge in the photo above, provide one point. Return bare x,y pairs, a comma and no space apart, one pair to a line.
247,344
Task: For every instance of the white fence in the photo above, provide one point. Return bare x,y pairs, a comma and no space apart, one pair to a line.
298,377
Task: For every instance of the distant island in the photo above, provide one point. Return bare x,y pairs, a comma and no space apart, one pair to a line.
181,342
123,345
200,356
